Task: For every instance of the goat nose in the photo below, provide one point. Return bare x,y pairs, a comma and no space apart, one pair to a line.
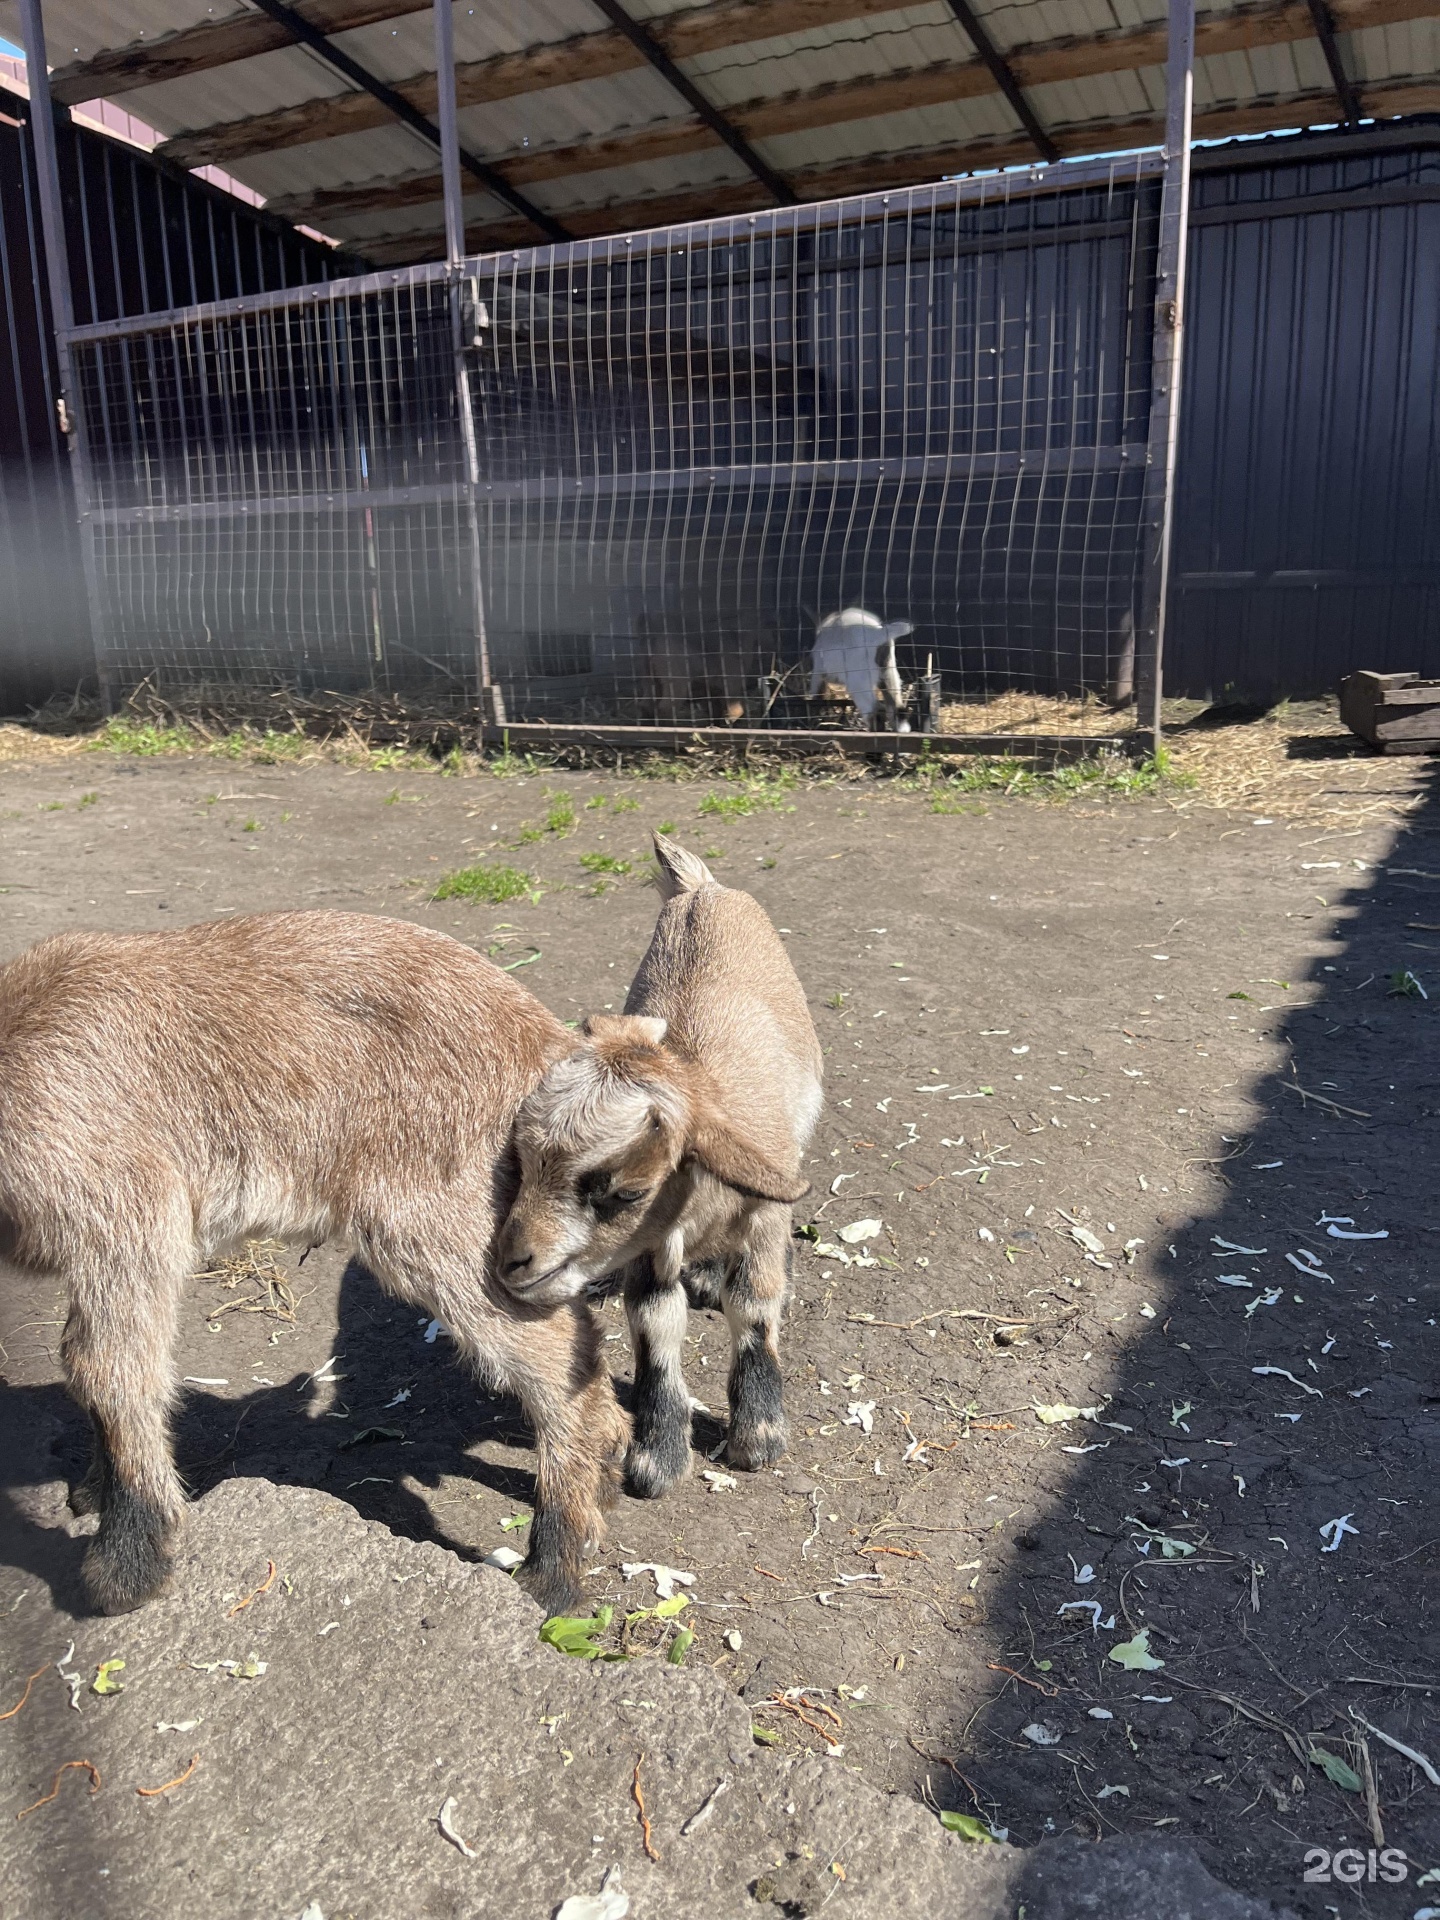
517,1266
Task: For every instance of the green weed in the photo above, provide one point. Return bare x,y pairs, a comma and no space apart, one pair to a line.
87,800
756,792
560,818
146,738
604,863
264,749
1109,775
490,884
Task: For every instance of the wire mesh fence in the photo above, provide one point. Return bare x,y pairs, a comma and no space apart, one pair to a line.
139,237
831,465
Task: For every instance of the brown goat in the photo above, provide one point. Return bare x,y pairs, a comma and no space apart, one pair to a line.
313,1076
669,1145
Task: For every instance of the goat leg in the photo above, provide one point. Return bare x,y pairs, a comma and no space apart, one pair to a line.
657,1310
581,1432
88,1495
126,1385
753,1293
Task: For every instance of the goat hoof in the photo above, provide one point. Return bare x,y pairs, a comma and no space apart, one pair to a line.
752,1448
552,1588
121,1582
652,1471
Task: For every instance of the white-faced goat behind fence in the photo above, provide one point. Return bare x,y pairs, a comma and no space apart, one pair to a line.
670,1145
856,650
305,1075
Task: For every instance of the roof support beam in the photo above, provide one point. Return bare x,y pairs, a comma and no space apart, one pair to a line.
408,114
200,49
794,112
507,75
646,44
902,170
1330,47
217,43
1260,23
1004,79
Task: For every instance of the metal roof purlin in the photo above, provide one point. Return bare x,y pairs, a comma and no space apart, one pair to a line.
658,58
1344,87
1005,79
408,114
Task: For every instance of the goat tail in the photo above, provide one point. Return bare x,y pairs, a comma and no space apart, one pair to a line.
680,870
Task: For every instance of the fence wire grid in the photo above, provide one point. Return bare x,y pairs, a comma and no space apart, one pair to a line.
627,480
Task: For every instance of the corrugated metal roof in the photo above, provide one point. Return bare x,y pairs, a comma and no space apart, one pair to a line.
832,95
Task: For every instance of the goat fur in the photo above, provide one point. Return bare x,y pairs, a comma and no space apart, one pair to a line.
668,1147
312,1076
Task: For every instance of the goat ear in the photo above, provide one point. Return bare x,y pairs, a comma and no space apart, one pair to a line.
741,1165
623,1030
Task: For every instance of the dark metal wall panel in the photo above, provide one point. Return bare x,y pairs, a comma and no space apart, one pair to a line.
1308,509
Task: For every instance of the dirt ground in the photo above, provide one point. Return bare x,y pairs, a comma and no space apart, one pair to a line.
1100,1069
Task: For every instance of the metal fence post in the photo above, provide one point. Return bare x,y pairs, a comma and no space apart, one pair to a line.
1167,356
464,338
62,313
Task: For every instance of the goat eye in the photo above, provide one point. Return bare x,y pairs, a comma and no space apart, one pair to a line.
627,1196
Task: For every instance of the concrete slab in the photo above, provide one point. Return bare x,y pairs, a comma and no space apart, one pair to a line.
391,1676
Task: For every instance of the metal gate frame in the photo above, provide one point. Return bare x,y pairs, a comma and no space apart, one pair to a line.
1171,166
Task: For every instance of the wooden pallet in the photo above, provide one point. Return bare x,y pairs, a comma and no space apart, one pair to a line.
1396,712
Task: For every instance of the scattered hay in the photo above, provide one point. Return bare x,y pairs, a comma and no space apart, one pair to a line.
24,743
1296,762
257,1264
1037,713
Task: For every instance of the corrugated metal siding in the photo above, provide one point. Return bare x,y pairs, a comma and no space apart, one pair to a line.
1308,512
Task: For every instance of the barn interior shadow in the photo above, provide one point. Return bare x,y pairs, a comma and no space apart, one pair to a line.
1285,1383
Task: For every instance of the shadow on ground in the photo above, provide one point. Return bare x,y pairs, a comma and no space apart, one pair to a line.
1262,1404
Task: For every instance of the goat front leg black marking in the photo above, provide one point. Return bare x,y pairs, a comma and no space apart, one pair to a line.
657,1310
753,1293
90,1493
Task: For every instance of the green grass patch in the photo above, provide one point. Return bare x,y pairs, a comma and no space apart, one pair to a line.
1107,776
267,748
493,885
122,733
755,793
560,817
604,863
